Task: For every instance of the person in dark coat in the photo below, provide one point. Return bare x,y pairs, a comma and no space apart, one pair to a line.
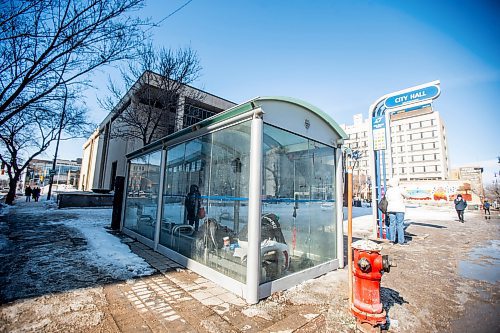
28,192
193,205
460,205
36,193
486,207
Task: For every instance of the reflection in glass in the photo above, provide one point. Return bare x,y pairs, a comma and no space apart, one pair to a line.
217,164
142,194
299,189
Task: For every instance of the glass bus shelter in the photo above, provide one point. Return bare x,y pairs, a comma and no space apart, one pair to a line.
250,198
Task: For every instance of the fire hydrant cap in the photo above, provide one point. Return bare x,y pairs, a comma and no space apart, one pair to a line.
366,245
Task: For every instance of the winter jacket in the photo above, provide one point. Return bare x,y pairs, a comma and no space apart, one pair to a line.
395,200
460,204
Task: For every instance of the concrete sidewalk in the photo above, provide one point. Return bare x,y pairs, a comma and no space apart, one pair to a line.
178,300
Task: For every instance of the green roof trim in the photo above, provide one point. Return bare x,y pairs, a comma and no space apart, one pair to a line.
333,124
238,110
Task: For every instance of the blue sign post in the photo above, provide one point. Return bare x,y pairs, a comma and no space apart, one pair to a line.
406,100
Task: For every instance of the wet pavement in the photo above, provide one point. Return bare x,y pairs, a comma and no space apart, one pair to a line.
43,256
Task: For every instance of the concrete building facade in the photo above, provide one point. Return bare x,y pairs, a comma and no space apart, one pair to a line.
104,153
417,148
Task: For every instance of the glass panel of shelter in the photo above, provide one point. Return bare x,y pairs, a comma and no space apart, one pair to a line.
298,224
299,195
209,174
142,194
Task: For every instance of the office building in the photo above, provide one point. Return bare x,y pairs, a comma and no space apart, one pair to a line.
416,148
104,153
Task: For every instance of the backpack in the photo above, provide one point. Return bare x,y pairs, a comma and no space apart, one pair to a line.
382,205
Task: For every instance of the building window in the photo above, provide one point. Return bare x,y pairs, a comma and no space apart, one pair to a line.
428,145
426,123
427,134
194,114
418,169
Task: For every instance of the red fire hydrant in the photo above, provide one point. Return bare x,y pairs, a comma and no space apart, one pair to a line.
368,267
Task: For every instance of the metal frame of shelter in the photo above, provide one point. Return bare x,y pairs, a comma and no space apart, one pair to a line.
380,135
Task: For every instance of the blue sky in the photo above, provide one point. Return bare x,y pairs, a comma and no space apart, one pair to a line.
343,55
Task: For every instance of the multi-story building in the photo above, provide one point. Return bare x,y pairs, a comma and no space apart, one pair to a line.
417,148
358,141
104,153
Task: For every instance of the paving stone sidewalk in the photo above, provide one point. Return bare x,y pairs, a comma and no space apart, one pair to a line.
178,300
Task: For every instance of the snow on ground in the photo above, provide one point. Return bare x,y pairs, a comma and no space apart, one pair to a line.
362,218
105,250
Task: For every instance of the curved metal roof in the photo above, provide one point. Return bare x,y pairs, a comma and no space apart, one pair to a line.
241,109
320,113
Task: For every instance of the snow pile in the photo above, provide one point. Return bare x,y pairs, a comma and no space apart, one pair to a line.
105,250
362,218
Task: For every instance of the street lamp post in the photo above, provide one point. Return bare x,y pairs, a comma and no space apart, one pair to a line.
52,172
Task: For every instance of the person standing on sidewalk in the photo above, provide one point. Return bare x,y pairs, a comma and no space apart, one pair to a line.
28,192
460,205
396,210
193,205
486,207
36,193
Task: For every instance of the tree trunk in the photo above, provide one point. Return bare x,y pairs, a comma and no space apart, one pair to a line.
9,200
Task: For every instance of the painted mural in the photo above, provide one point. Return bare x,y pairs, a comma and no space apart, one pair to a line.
436,191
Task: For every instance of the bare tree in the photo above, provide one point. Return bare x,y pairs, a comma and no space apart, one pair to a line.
46,44
25,136
156,83
492,192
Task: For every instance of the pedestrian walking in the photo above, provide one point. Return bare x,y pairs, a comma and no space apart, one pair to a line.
396,210
486,207
28,192
460,205
36,193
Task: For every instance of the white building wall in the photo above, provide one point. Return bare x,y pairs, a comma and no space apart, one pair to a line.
87,170
417,147
358,140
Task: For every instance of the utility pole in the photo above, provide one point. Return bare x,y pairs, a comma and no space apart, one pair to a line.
52,172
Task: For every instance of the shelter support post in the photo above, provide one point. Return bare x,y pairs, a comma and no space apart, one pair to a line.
349,230
254,208
339,204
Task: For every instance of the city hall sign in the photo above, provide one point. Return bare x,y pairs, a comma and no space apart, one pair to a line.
415,96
